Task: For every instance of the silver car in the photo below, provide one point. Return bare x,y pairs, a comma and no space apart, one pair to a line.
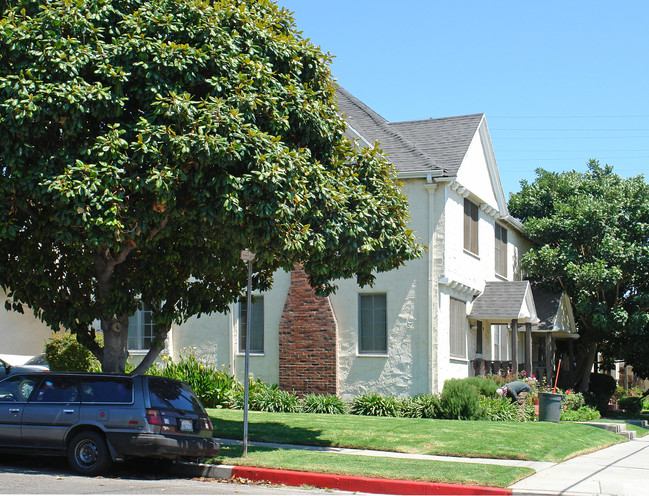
97,419
7,368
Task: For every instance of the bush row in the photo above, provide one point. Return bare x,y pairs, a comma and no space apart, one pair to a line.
472,398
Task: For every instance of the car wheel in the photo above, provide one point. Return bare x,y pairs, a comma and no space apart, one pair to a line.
25,389
88,453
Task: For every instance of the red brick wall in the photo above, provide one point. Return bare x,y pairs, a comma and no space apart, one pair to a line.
307,340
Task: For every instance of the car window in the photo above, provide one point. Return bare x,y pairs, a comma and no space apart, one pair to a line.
167,393
107,390
57,389
17,388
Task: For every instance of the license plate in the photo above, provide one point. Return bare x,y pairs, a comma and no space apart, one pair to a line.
186,425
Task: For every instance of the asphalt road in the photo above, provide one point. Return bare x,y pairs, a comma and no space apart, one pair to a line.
49,475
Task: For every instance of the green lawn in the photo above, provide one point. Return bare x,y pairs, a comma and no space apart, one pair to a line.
382,467
542,441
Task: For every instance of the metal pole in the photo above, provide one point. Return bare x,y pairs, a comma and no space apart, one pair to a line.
246,380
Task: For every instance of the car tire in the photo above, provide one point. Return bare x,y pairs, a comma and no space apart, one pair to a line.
88,454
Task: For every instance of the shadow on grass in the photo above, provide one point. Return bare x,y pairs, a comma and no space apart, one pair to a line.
268,432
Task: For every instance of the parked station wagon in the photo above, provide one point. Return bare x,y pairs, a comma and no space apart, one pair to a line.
97,419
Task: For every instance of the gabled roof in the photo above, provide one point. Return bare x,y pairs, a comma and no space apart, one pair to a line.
364,123
555,313
503,301
446,140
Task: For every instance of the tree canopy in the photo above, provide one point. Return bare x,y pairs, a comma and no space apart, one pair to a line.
592,234
145,143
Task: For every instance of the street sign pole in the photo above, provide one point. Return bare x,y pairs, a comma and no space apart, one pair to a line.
248,257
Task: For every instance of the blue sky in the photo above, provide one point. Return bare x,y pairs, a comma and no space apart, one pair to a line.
559,82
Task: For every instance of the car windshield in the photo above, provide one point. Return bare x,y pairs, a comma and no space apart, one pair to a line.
168,393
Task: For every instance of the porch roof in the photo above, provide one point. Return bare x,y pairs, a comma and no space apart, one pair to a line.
503,301
555,313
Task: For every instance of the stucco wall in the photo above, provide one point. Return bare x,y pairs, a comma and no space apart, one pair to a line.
21,334
215,337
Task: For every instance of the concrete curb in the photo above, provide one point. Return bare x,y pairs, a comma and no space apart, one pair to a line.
332,481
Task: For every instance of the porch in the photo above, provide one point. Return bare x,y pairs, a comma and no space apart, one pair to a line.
537,322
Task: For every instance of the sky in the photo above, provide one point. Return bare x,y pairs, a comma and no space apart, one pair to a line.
560,82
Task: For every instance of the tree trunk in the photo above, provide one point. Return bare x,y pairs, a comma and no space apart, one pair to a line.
585,360
115,344
154,350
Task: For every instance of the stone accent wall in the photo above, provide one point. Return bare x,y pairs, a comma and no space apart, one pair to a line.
308,337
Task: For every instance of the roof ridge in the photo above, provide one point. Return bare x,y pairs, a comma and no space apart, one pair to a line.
385,125
436,119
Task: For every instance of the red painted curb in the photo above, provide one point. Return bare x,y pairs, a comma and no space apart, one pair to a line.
362,484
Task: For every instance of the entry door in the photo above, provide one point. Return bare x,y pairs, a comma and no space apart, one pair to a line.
14,393
53,408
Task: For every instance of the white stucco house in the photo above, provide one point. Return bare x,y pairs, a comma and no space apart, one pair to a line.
462,309
417,326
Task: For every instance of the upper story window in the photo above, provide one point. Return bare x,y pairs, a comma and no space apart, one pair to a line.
373,324
501,250
470,226
141,329
458,328
256,325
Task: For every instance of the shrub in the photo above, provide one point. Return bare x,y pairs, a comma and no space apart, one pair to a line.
631,404
601,389
421,406
582,414
375,405
65,353
323,403
572,401
459,400
214,387
484,385
499,409
266,398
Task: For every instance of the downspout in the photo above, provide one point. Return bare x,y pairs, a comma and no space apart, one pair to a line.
433,373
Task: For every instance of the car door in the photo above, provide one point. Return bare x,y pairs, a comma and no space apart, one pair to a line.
52,408
14,393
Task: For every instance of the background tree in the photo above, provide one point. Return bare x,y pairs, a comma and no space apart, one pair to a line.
592,231
144,144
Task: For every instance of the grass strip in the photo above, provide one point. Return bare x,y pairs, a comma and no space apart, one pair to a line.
369,466
541,441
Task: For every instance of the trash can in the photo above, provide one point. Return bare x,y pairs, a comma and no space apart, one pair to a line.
550,406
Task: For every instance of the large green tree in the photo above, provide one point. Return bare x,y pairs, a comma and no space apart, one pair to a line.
592,234
145,143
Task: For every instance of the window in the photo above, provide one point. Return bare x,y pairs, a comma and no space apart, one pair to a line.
107,390
501,342
141,329
478,339
470,226
501,250
256,325
58,389
373,324
458,328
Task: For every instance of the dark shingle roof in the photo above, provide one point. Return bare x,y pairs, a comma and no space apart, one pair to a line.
433,145
500,300
446,139
372,127
547,307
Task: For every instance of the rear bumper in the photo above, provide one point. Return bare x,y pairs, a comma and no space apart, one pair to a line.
163,446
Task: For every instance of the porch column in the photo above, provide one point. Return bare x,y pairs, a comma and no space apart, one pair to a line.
528,348
549,358
571,357
515,346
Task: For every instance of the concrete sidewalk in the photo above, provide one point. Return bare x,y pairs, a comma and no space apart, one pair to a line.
620,470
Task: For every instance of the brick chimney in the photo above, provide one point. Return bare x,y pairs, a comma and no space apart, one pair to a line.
308,337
